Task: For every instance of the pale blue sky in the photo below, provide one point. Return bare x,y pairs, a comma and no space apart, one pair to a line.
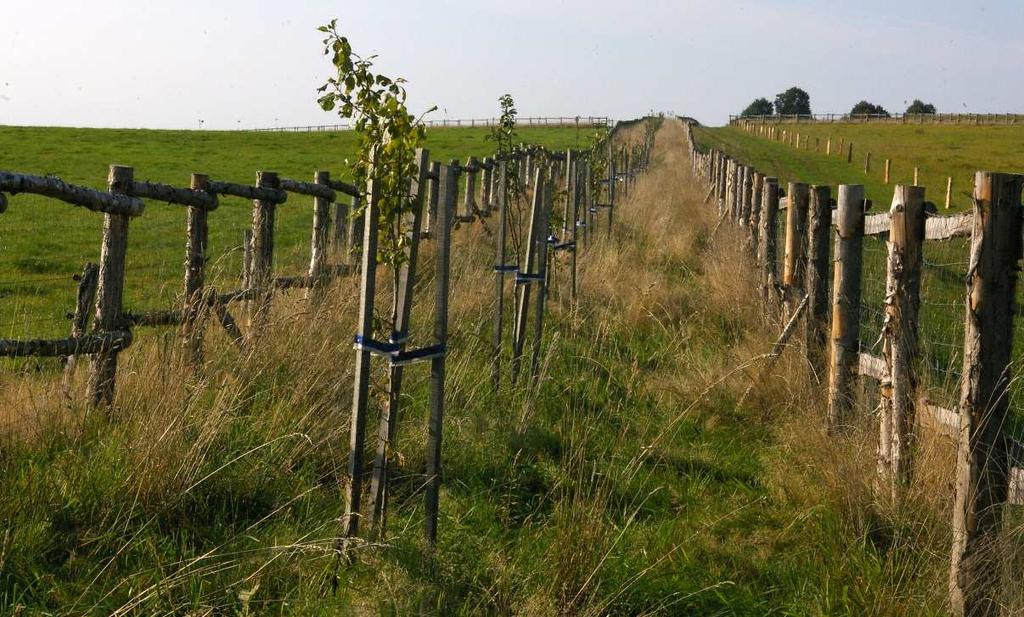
236,63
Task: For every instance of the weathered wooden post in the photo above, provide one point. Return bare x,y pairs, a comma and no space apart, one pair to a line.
430,215
261,268
197,233
818,245
318,242
500,270
982,459
485,186
570,186
767,247
794,264
364,335
828,147
526,275
432,492
542,278
110,290
469,201
949,192
756,189
746,186
730,189
888,168
915,177
900,334
846,286
401,310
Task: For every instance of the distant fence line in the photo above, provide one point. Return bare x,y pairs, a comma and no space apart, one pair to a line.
822,240
571,121
896,118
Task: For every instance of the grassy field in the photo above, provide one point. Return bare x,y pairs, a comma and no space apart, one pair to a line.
628,482
44,242
938,151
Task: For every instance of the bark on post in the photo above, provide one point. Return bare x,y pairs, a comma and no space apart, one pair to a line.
110,290
361,381
432,493
767,247
982,461
819,226
846,287
261,269
498,329
401,310
900,335
80,320
195,269
794,265
318,242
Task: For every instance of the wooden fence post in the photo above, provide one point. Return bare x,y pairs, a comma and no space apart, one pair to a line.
731,189
982,460
500,270
867,163
197,231
849,153
900,334
949,192
401,310
846,286
756,189
110,290
432,492
469,207
888,168
746,186
542,273
318,242
818,249
794,265
486,185
355,224
261,276
361,381
523,282
767,247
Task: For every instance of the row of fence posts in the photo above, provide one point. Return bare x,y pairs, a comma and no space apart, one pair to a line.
435,194
752,201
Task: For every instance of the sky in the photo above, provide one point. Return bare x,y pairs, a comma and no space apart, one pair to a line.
225,64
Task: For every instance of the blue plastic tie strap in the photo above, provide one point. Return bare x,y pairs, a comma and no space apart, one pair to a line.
376,348
417,355
526,279
505,268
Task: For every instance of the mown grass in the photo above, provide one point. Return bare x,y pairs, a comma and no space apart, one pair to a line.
45,242
628,482
938,151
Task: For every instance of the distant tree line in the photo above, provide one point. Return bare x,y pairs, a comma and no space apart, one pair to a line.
796,101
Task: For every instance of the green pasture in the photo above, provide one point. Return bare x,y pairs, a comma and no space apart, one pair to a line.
44,242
